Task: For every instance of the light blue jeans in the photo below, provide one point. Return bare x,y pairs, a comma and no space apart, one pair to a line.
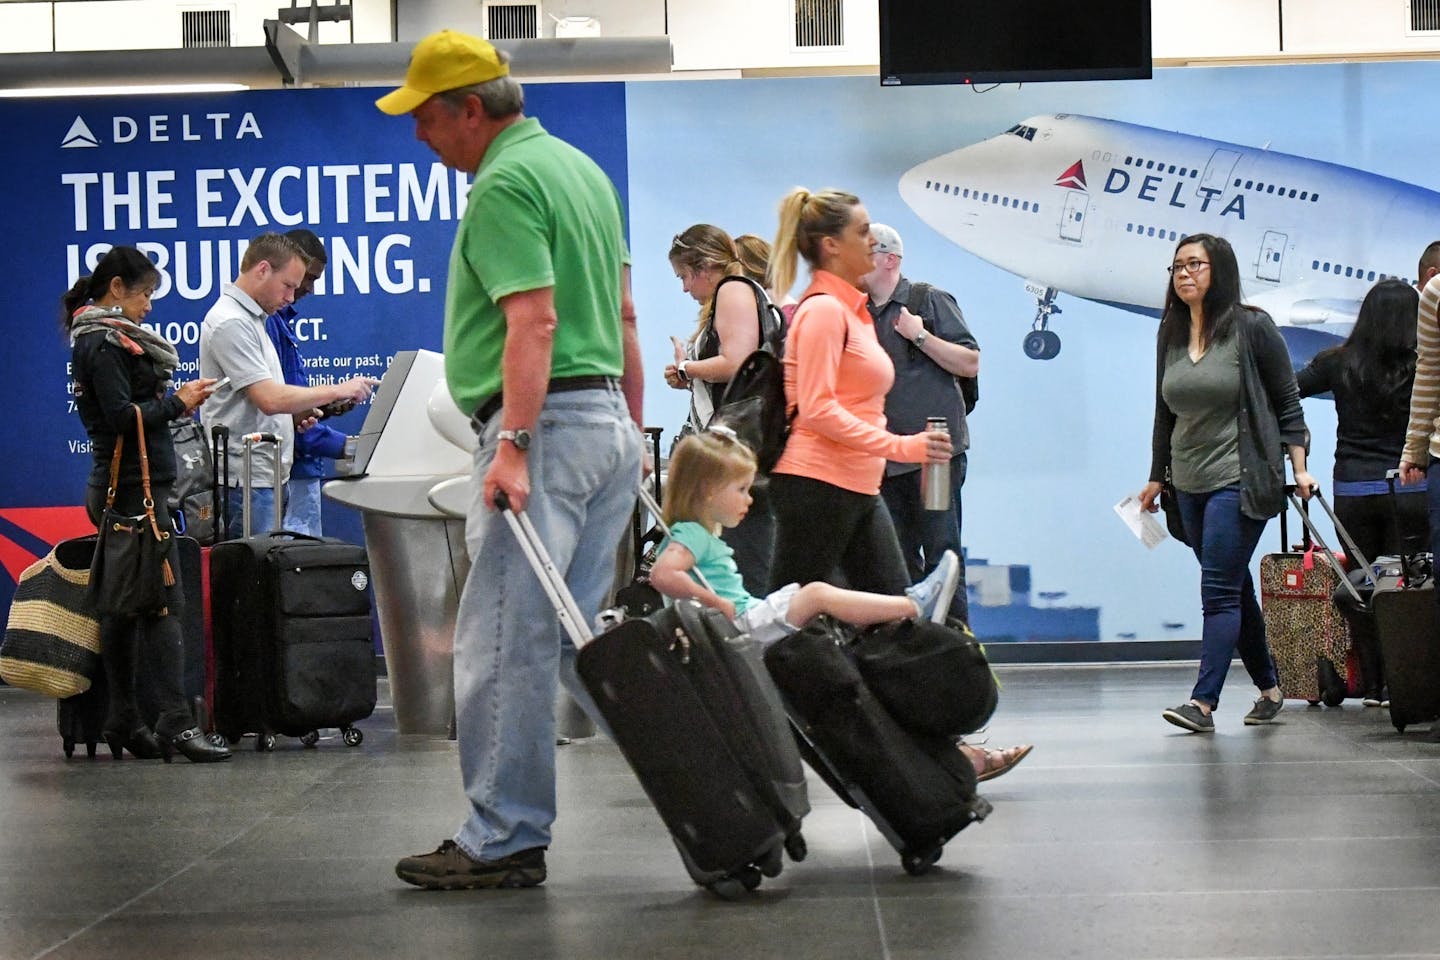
262,501
584,463
302,505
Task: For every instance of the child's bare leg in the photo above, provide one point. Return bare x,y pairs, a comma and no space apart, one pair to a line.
852,606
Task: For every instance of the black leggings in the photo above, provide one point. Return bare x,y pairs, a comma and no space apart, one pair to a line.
124,640
821,528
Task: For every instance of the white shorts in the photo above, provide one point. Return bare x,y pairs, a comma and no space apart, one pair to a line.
767,620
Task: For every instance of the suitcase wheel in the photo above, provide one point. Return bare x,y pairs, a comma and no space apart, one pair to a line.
90,746
264,742
917,863
1399,727
734,886
353,736
310,739
68,743
1313,703
795,846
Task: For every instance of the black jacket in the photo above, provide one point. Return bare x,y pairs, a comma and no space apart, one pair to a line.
1370,432
1270,418
107,381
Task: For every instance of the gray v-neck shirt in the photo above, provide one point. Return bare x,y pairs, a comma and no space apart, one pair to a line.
1205,398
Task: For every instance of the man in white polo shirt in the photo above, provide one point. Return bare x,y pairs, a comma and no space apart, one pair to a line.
256,398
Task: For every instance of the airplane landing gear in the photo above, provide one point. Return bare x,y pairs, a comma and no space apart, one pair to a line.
1042,343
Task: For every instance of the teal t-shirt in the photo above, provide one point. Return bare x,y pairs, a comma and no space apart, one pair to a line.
713,558
540,214
1205,397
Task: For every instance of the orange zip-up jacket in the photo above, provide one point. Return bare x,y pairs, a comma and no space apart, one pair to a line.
837,374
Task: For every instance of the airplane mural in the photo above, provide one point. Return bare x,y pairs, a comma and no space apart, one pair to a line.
1093,208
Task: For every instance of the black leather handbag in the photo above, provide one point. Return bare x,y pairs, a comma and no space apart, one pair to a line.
131,569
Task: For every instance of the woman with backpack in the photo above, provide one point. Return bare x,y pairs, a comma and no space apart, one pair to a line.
825,488
734,319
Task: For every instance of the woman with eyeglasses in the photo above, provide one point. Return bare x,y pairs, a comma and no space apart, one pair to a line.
1370,376
1227,411
727,331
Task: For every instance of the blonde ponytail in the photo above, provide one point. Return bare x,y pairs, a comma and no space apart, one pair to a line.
805,219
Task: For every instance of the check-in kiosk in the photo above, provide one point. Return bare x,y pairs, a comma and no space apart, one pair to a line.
413,439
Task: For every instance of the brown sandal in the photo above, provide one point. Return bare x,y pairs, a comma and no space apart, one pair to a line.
997,762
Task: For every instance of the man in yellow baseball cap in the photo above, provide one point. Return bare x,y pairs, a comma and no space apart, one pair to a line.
541,348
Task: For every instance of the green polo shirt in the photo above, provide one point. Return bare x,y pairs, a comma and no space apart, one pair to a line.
540,214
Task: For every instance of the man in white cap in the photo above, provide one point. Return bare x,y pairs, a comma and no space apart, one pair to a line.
923,331
541,348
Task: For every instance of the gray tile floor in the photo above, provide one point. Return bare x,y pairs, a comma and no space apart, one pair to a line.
1120,837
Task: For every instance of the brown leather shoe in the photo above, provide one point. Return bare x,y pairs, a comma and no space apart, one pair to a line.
451,868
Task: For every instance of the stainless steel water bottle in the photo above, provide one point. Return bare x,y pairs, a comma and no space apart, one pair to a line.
935,477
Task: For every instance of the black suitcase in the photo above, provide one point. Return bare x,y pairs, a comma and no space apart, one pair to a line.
81,718
918,789
685,704
291,635
1407,625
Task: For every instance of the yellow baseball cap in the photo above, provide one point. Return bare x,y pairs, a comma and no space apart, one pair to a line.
443,61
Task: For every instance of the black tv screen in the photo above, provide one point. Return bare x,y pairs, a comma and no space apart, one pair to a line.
1008,41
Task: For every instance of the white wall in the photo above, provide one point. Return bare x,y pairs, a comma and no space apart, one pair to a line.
731,34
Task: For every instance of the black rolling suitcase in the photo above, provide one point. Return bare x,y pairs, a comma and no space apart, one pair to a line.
291,627
703,736
919,789
81,719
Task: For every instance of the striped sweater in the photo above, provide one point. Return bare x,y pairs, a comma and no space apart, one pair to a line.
1422,439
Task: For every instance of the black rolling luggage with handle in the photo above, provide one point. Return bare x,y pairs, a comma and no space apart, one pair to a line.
292,644
696,727
919,789
1407,624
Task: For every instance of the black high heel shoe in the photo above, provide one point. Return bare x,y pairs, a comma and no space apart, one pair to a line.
194,746
141,743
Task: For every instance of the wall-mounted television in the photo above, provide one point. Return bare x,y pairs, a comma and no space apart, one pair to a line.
1009,41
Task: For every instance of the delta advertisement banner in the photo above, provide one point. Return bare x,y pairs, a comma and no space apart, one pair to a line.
1049,210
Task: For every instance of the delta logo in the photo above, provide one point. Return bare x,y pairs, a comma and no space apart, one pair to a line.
166,128
79,135
1073,177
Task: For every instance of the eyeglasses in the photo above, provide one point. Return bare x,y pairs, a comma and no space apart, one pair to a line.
1191,267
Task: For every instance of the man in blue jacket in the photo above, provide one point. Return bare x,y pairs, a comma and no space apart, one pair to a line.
320,443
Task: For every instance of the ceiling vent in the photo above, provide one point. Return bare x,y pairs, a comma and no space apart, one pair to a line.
1425,16
821,23
204,28
512,21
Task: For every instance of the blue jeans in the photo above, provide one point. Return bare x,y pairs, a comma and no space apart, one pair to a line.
302,505
1224,540
262,501
584,463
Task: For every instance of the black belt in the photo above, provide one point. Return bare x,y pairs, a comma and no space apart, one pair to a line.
488,409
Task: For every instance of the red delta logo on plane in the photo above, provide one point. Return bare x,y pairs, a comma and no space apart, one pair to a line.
1073,177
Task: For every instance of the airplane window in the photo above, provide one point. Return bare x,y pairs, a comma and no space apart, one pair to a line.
927,184
984,197
1237,181
1150,232
1174,235
1129,228
1271,189
1127,161
1292,194
1372,275
947,188
995,199
1035,209
1006,203
1349,271
1304,194
1025,205
1249,184
1314,264
1149,164
967,192
1314,197
1172,168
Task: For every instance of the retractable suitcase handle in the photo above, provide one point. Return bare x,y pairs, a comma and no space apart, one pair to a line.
1408,561
1319,541
550,579
246,480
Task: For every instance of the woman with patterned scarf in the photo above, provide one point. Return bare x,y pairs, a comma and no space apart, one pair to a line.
118,365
